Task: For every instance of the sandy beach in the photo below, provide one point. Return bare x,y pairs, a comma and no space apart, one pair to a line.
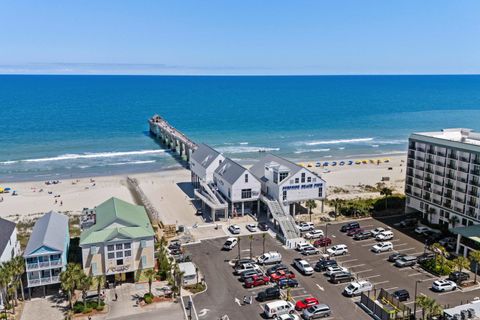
169,190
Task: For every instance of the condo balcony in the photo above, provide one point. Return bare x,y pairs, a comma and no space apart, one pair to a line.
43,281
44,265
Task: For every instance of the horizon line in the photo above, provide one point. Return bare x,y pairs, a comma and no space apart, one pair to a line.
241,74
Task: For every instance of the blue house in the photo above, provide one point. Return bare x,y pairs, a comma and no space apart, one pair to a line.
47,249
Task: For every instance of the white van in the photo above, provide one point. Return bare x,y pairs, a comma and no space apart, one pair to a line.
357,287
270,257
230,243
385,235
277,308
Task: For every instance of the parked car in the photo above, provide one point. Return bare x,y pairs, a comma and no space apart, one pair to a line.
263,226
276,268
354,231
385,235
395,256
241,261
251,227
306,226
287,283
363,235
278,308
377,230
337,250
307,251
230,243
269,258
432,237
256,281
322,265
335,269
316,311
314,234
447,241
443,285
305,303
458,277
401,295
288,317
350,225
234,229
250,273
406,223
269,294
341,277
303,266
421,229
425,257
300,245
406,261
282,274
245,267
357,287
322,242
382,247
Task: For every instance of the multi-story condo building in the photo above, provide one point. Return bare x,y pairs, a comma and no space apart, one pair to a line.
46,251
121,242
443,176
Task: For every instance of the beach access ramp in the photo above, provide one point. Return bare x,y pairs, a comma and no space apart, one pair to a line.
284,220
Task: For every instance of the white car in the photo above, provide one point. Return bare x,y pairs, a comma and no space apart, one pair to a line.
338,250
288,317
310,250
251,227
355,288
444,285
335,269
385,235
305,226
302,245
422,229
382,247
303,266
376,231
314,234
230,243
234,229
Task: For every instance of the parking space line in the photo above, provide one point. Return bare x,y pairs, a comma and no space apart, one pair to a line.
401,244
406,249
374,276
416,274
367,270
381,282
347,261
369,244
301,296
444,293
355,266
388,289
383,253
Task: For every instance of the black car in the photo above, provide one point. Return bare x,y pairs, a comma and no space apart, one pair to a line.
269,294
401,295
322,265
263,226
458,277
276,268
395,256
425,257
411,222
341,277
349,226
363,235
432,236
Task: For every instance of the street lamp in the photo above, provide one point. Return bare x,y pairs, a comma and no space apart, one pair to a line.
415,299
326,237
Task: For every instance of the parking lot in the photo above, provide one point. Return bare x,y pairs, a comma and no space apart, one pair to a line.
225,293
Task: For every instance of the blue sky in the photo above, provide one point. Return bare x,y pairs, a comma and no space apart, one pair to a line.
240,37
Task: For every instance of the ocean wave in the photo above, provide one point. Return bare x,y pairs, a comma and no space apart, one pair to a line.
311,150
375,145
75,156
338,141
243,143
131,162
246,149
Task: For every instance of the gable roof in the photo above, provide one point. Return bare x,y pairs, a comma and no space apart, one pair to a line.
230,171
132,221
258,169
7,227
205,155
49,231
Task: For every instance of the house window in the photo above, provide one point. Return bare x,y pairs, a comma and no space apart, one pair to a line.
246,178
296,180
128,253
303,177
127,246
94,268
309,179
144,260
111,247
143,243
284,195
119,254
119,262
283,176
111,255
320,192
119,246
275,177
246,193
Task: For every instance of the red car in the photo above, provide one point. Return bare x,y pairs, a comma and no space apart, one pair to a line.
282,274
306,303
354,231
256,281
322,242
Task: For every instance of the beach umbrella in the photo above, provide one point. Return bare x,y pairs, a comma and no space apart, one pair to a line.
1,190
350,162
7,189
341,163
325,164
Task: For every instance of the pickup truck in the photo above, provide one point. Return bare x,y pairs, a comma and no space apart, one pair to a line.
269,294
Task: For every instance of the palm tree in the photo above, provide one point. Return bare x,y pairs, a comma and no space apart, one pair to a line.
239,250
19,269
426,303
387,192
264,237
337,203
310,204
453,221
461,263
150,274
439,251
196,274
69,280
100,280
250,237
4,280
84,284
475,257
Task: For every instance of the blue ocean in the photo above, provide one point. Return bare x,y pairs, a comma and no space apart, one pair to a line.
72,126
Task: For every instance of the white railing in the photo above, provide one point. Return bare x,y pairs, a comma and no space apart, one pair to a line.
56,263
31,266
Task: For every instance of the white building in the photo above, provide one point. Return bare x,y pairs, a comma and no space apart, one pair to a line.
238,185
443,177
203,162
189,273
287,182
9,245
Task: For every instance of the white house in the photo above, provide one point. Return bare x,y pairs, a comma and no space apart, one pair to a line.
287,182
238,185
203,162
9,246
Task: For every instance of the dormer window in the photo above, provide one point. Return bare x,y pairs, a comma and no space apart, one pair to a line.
283,176
246,178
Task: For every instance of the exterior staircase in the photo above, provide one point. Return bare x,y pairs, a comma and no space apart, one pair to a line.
284,220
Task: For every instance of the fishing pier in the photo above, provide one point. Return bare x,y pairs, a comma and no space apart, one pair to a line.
171,137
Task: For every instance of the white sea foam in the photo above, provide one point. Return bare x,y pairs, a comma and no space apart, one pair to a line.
311,150
338,141
245,149
8,162
243,143
375,145
130,162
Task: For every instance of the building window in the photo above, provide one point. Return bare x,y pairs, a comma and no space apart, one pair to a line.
246,193
110,247
464,221
127,246
119,246
246,178
119,254
144,261
309,179
284,195
275,177
296,180
143,243
283,176
446,214
119,262
111,255
128,253
303,177
320,192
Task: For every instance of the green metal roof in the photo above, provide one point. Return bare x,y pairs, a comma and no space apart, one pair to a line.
472,232
132,222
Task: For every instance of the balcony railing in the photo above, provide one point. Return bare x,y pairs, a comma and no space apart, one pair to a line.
473,193
437,201
441,154
418,185
476,160
44,264
452,156
452,166
430,160
418,176
439,173
464,159
421,149
447,205
459,199
420,158
450,176
438,182
476,172
475,182
459,209
462,179
43,281
460,189
449,185
462,169
472,203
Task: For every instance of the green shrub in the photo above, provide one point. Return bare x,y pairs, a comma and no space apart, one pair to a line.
87,310
438,267
3,316
100,308
148,300
78,307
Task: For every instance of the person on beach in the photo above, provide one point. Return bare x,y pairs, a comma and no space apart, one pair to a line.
61,203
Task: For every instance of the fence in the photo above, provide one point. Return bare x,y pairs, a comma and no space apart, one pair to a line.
384,306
